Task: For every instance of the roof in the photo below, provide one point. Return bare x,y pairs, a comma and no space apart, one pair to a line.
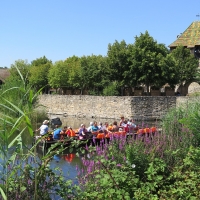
190,37
4,73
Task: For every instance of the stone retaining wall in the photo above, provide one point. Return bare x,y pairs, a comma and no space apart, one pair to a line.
137,107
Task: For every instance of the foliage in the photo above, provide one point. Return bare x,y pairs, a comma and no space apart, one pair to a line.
146,61
24,67
118,61
23,175
111,89
94,73
160,166
185,63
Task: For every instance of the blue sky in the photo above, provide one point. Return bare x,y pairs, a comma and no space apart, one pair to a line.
59,29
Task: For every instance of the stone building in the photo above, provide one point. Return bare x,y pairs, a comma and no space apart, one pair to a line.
190,39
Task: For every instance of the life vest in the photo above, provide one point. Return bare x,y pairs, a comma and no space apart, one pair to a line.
147,130
110,128
71,133
140,131
100,136
120,133
153,129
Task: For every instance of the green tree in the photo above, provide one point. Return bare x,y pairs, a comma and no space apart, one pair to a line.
94,73
39,73
147,55
24,67
119,62
186,65
58,75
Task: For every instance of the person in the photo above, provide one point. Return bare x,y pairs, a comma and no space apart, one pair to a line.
121,123
105,127
64,131
44,129
110,127
95,128
70,132
100,126
89,129
56,132
115,127
82,130
132,126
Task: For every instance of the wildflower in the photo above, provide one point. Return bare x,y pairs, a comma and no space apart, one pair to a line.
88,155
119,165
133,165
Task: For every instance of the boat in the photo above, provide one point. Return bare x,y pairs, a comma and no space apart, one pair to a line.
90,139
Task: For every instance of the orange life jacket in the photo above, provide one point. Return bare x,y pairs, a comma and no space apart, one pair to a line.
100,136
71,133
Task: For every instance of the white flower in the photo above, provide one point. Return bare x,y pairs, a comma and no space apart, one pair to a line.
88,155
133,165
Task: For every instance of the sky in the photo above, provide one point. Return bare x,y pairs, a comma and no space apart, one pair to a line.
59,29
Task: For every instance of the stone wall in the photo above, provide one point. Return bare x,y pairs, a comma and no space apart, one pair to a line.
137,107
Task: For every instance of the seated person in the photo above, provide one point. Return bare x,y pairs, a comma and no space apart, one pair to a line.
100,126
121,123
105,127
132,126
115,127
110,127
43,128
56,132
95,129
82,130
70,132
89,129
64,131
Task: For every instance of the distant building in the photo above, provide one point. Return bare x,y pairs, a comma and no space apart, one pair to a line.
4,73
190,39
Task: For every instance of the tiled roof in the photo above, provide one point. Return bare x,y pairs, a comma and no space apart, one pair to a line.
190,37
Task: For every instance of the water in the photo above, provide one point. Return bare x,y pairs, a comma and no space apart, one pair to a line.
69,162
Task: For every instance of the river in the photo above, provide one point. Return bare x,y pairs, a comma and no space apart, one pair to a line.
69,162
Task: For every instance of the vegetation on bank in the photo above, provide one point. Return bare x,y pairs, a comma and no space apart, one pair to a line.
144,62
164,166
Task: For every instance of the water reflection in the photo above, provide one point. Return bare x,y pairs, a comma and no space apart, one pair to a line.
68,163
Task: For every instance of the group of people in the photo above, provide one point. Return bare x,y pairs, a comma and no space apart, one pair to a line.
94,128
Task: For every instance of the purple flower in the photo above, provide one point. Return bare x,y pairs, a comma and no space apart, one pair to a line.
119,165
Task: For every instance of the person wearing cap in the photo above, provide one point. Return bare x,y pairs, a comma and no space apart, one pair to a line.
89,129
44,129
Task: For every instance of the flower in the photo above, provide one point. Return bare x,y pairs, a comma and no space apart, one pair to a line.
119,165
133,165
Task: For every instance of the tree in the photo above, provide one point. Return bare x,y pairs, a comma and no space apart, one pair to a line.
186,65
147,55
94,73
23,67
58,75
39,73
118,62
